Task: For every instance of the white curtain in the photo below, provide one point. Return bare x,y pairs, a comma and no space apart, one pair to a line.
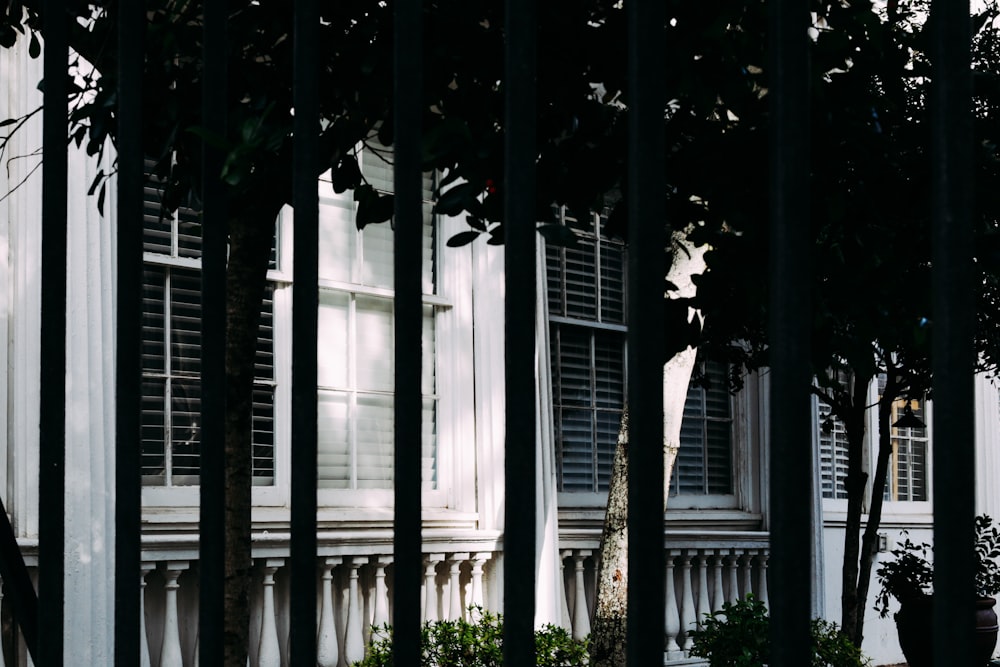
550,592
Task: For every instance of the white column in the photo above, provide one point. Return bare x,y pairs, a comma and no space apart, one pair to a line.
354,641
430,587
688,620
327,653
717,592
170,652
455,611
476,585
762,581
581,614
144,657
672,624
734,583
380,615
268,648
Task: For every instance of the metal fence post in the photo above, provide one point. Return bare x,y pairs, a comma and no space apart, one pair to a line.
953,350
791,471
408,307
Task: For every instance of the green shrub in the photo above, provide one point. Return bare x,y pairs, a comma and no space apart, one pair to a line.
739,636
476,644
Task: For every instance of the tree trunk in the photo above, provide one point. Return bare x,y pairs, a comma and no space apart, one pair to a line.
249,254
608,631
607,638
869,541
856,483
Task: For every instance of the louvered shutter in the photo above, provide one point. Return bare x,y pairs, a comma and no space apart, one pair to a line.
704,459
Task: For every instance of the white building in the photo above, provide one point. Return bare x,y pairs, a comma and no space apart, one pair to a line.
716,524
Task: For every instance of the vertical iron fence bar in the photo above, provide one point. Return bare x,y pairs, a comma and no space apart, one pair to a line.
128,332
52,414
953,350
305,304
646,271
407,115
790,464
214,225
520,54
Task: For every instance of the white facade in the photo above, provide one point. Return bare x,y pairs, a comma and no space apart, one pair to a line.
715,525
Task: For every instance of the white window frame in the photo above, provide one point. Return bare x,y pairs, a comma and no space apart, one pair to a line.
454,499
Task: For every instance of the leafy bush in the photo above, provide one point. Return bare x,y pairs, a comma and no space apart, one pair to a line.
476,644
910,575
739,636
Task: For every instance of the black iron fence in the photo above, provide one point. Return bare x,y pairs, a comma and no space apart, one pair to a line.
790,519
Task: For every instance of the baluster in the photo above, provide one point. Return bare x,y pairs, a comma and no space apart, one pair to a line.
380,615
762,581
567,618
144,657
476,586
672,625
170,652
268,650
703,606
455,611
430,587
747,574
581,615
688,620
327,653
717,593
734,584
354,641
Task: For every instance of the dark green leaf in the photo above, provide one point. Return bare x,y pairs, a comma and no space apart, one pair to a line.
347,175
97,181
100,198
456,199
462,238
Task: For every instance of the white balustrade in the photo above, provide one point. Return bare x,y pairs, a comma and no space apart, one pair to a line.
703,605
380,613
354,641
326,638
144,657
762,581
734,583
170,650
268,647
581,614
717,593
688,620
430,587
476,585
747,575
672,622
455,611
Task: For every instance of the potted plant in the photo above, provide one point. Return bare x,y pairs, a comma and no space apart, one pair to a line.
909,578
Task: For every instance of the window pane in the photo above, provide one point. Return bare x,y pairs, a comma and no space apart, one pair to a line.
374,344
332,349
612,282
576,450
375,438
574,371
580,280
333,429
377,248
609,371
338,239
153,429
185,430
185,322
153,346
